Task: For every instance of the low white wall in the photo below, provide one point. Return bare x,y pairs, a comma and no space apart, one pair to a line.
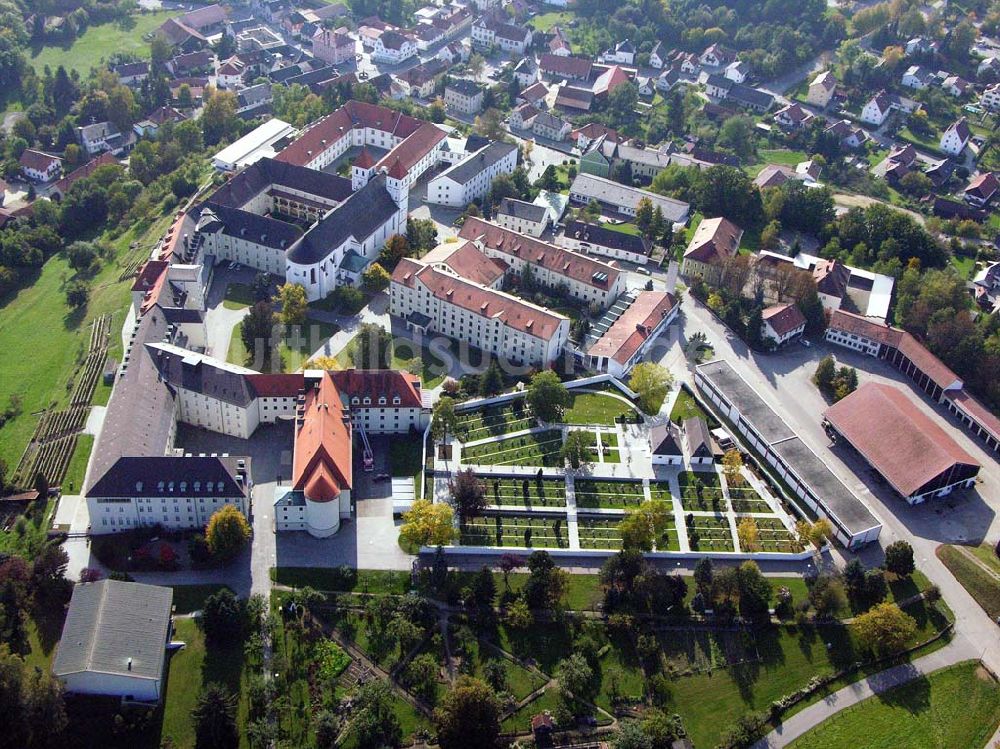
471,405
773,556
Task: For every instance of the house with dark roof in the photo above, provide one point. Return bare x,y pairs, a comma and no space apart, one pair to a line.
557,67
665,444
470,179
982,189
39,166
605,240
715,242
522,217
699,446
782,323
956,137
464,96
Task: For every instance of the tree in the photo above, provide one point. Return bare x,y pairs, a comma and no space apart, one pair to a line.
727,191
652,382
32,698
496,675
748,534
294,303
916,184
444,419
885,628
546,583
41,484
476,65
257,330
375,278
215,719
827,595
825,373
576,448
703,574
421,233
375,722
395,249
508,563
222,617
643,525
491,383
469,715
82,256
218,116
518,615
490,125
548,396
899,559
227,533
737,134
260,288
575,676
631,736
815,533
754,591
374,347
644,215
732,467
77,294
428,524
468,494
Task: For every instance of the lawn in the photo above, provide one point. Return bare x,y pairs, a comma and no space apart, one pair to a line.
782,157
545,21
686,406
237,296
531,531
599,533
189,598
536,449
595,408
73,480
608,494
965,265
297,345
988,555
426,363
953,708
98,42
406,458
190,669
525,492
493,421
627,228
347,581
981,586
43,340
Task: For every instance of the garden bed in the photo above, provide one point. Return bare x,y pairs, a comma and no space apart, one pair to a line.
609,494
493,421
709,533
538,449
515,530
701,491
525,492
599,533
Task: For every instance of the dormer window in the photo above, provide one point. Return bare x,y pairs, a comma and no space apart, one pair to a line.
355,401
159,486
396,400
184,486
220,485
170,486
381,400
367,401
138,486
197,486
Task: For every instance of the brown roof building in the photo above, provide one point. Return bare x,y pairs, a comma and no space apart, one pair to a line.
715,241
624,343
901,442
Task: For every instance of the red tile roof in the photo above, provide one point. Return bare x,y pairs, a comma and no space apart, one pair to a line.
276,385
573,67
783,318
983,186
510,310
634,326
896,437
610,80
32,159
330,129
322,462
831,277
411,150
595,130
364,160
376,383
976,411
556,259
149,274
535,92
85,171
899,339
468,262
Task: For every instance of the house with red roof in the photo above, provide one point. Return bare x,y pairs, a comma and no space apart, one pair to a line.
39,166
782,323
632,334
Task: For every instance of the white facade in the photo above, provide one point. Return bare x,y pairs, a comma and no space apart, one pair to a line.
464,101
454,187
188,512
955,139
852,341
780,338
523,225
393,55
873,113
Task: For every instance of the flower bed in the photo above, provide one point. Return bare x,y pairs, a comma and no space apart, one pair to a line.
608,494
538,449
527,492
515,530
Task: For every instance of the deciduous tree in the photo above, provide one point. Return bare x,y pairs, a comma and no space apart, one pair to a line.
294,303
469,715
227,533
652,382
576,448
885,628
899,558
547,396
468,494
428,524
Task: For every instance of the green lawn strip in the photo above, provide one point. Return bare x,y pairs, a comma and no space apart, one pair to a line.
191,668
73,480
343,581
608,494
237,296
599,533
98,43
988,555
627,228
660,490
709,533
424,362
980,585
954,708
406,457
594,408
188,598
782,156
520,721
545,21
494,421
686,406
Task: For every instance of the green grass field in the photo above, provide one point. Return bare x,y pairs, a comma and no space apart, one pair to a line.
97,43
237,296
43,340
423,362
73,481
782,157
297,345
981,586
594,408
954,708
545,21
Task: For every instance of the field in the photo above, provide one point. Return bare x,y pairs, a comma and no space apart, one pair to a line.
954,708
44,340
594,408
980,584
73,481
97,43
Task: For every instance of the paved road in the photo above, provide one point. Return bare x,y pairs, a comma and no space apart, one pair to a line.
955,652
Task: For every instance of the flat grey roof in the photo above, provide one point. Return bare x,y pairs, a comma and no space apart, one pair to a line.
841,501
767,423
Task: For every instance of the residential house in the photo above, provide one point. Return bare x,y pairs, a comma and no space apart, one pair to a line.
877,110
822,89
689,63
421,80
558,44
623,200
917,77
851,136
254,101
549,126
230,73
782,323
737,71
667,80
191,63
609,80
584,136
38,166
717,56
792,116
956,137
720,87
956,86
526,71
715,242
150,126
622,54
522,217
471,178
488,32
393,48
534,94
464,96
455,52
523,116
699,445
832,278
988,66
658,56
991,98
131,73
921,45
94,137
632,334
982,189
565,68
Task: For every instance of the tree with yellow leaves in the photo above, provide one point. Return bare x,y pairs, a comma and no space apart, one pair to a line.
748,534
227,533
428,524
732,465
643,525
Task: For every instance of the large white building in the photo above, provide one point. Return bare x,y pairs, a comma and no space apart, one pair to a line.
470,179
432,301
393,48
584,279
627,340
259,143
487,32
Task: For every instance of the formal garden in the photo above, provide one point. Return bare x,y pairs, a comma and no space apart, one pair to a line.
525,492
536,449
493,421
528,531
612,495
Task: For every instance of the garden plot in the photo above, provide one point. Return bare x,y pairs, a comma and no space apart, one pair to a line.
595,408
525,492
745,499
614,495
704,650
531,531
609,441
494,421
709,533
701,491
599,533
538,449
660,490
774,536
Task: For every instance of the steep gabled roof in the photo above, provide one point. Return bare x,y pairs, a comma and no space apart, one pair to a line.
322,462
